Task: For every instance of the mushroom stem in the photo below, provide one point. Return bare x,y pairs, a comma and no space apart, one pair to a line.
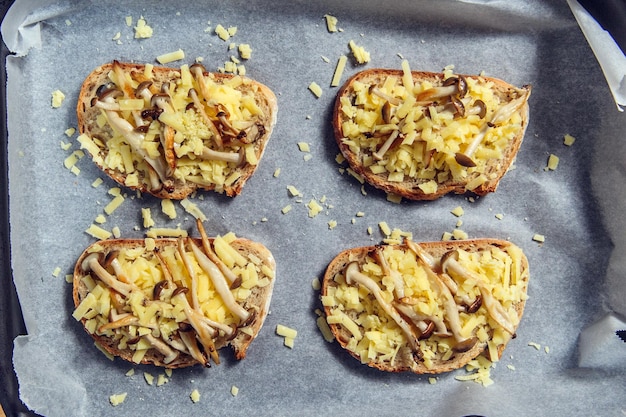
450,307
219,282
162,347
420,320
191,271
398,282
432,264
208,153
495,309
501,115
135,139
390,99
206,245
354,275
126,320
106,277
380,153
204,332
191,344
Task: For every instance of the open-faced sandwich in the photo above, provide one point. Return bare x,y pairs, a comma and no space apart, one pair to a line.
169,132
174,302
421,135
426,307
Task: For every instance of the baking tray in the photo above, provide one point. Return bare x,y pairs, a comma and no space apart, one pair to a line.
519,41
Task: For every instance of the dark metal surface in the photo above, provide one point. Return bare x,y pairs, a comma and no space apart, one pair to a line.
611,15
11,323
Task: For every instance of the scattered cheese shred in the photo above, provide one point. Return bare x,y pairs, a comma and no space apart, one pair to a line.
553,162
314,208
171,56
331,23
304,147
98,232
147,217
168,208
57,98
539,238
315,89
568,140
166,232
142,30
114,204
234,390
195,396
149,378
245,51
193,209
341,65
457,211
117,399
360,54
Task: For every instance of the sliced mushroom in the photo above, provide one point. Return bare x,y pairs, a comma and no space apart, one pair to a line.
203,331
206,245
191,271
426,325
219,282
465,345
386,112
91,263
123,321
135,140
450,262
162,347
450,306
355,276
501,115
432,264
380,153
190,342
451,86
197,71
389,98
210,154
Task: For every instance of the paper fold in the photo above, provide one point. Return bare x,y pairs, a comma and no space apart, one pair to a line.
608,53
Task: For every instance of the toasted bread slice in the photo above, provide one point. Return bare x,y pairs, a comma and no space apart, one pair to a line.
170,132
421,135
142,304
426,308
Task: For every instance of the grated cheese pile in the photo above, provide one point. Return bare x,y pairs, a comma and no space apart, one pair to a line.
201,141
376,338
150,295
399,130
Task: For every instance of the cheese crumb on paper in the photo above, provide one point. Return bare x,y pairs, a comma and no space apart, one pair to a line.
117,399
195,396
143,30
57,98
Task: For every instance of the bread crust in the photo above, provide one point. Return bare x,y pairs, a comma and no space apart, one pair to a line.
175,188
409,188
406,359
258,302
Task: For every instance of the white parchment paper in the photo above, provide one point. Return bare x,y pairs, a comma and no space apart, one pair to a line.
566,359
